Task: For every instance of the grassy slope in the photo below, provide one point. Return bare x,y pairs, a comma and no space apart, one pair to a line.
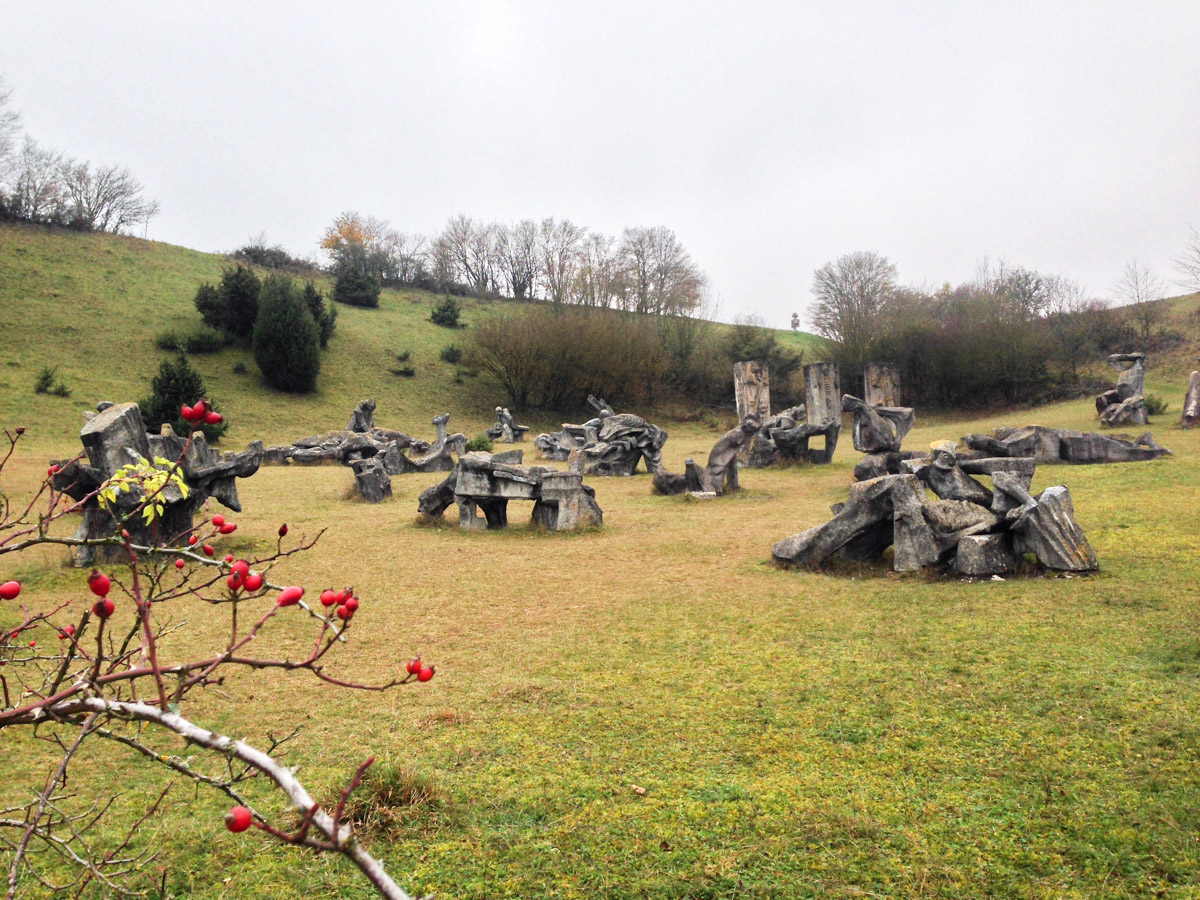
797,735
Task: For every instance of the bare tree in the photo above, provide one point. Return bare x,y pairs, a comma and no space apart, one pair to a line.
558,257
517,247
472,249
1139,290
38,193
852,297
1188,263
10,124
661,275
599,280
106,198
1072,318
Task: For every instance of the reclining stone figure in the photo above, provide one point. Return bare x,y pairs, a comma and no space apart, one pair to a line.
1055,445
721,473
977,530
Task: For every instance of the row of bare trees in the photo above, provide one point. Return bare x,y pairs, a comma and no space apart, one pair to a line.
646,270
1010,334
40,184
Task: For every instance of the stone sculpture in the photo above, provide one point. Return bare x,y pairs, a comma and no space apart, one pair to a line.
878,429
881,384
1126,403
506,430
611,443
116,436
1055,445
361,439
822,418
721,473
482,482
439,458
371,479
976,530
1191,402
752,391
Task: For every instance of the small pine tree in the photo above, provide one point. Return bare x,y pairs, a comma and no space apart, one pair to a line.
326,318
357,284
286,339
446,313
211,307
232,306
175,385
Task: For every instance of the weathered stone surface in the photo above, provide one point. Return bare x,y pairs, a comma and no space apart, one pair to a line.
1132,380
968,524
984,554
1131,411
371,479
752,391
505,429
822,394
878,429
115,437
881,384
1052,445
873,465
1050,532
1191,402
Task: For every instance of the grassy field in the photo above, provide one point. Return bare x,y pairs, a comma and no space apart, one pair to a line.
791,734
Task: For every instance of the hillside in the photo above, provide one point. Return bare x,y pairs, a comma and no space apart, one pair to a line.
91,304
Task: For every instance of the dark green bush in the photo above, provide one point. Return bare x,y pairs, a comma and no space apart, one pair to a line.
48,382
326,318
232,306
482,442
452,354
357,283
446,313
175,385
1156,405
202,339
286,340
404,371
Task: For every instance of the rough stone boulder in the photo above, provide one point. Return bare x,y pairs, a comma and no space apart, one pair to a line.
505,429
361,439
611,443
371,479
1191,402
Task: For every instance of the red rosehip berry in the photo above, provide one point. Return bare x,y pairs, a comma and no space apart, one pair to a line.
187,412
192,539
67,632
283,530
340,596
343,613
234,582
328,597
228,557
241,568
103,608
199,410
253,582
33,643
413,666
179,563
352,604
425,673
208,550
238,819
228,528
99,583
52,471
9,590
290,596
218,520
214,418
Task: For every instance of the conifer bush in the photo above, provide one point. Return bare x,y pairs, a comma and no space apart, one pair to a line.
175,385
286,339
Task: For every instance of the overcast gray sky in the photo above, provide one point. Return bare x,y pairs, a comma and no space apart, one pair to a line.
772,137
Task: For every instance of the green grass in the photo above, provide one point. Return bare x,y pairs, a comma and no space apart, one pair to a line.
795,734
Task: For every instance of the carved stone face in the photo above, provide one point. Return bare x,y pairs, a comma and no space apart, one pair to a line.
944,460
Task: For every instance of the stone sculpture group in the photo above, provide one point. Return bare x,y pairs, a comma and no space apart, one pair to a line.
1125,404
977,530
610,443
